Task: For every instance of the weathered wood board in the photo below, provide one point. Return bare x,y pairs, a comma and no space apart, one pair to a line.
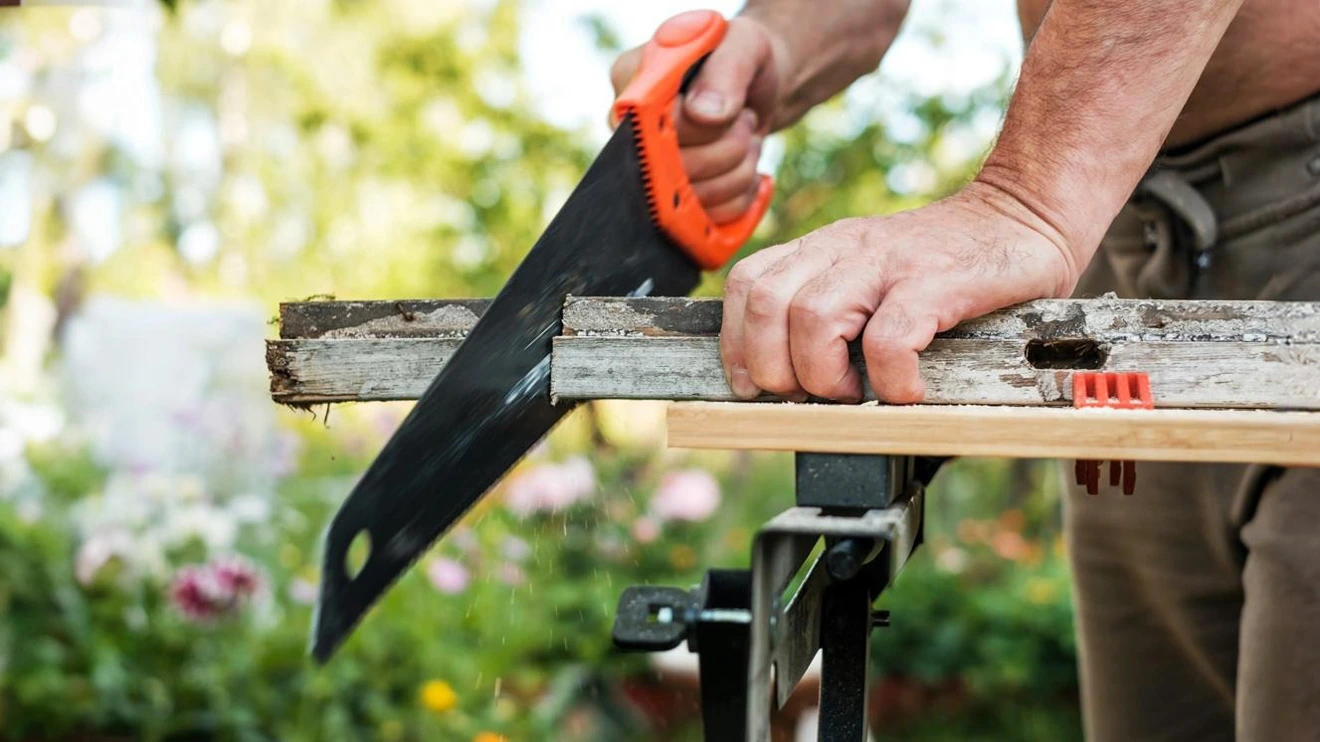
1198,354
1263,436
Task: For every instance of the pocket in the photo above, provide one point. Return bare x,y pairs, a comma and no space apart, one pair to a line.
1278,261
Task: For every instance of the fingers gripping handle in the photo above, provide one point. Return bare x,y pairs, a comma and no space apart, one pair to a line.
680,43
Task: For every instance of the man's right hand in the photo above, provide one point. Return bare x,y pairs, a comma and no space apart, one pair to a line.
726,114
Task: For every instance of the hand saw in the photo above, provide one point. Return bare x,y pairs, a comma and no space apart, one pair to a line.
633,226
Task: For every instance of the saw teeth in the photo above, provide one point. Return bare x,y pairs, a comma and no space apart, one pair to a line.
648,181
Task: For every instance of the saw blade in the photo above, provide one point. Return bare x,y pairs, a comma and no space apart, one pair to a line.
491,402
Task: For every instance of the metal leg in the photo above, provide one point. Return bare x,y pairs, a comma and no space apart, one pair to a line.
845,643
720,640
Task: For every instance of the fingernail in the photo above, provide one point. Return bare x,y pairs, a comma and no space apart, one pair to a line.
707,103
750,118
741,384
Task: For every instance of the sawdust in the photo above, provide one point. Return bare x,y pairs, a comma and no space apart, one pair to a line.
450,320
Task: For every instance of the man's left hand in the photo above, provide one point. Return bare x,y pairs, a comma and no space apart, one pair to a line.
895,281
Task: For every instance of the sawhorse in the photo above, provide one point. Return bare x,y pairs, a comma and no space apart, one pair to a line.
754,643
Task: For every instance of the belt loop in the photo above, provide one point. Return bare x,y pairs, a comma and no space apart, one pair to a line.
1170,189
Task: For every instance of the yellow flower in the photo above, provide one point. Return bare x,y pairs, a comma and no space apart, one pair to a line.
490,737
438,696
1041,591
682,557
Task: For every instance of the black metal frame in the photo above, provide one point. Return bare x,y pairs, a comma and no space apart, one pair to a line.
716,619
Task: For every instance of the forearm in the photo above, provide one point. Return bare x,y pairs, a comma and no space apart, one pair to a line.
1101,86
822,47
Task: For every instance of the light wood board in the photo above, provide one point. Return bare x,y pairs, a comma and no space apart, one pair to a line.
1258,436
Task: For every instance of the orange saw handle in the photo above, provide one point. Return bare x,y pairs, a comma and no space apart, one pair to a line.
680,43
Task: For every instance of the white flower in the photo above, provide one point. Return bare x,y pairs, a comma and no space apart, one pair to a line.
249,508
98,551
210,525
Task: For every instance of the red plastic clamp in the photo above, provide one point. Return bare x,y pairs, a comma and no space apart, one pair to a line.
1123,391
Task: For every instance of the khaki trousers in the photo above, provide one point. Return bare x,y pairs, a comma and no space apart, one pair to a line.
1198,599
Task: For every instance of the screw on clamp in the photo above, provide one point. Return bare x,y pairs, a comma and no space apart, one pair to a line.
653,619
1123,391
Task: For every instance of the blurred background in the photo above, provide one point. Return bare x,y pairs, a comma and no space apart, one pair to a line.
170,171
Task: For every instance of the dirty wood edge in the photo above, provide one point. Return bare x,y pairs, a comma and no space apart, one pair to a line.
1101,319
379,319
1244,436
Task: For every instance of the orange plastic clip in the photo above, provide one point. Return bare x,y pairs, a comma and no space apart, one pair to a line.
680,43
1124,391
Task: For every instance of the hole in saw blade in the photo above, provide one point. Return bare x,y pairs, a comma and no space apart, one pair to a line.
359,551
1082,355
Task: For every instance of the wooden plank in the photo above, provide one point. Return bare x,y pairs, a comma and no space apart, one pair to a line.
960,371
380,319
1199,353
1260,436
361,370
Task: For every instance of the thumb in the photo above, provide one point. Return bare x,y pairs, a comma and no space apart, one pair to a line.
623,69
621,73
721,90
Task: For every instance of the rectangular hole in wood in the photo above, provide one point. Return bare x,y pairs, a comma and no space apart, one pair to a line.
1079,355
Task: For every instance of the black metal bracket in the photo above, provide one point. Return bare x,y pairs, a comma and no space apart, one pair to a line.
752,644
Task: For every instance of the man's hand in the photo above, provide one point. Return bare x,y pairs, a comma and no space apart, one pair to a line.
790,311
725,116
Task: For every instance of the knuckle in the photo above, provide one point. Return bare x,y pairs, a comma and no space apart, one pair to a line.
879,345
621,71
765,300
819,384
776,382
740,277
727,211
811,310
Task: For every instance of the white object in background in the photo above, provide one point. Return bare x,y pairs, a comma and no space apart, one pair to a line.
174,389
15,197
29,323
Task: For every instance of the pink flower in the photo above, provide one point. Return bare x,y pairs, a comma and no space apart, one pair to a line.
236,576
515,549
645,529
465,540
550,487
209,591
386,419
285,453
447,576
195,594
691,495
302,592
511,574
